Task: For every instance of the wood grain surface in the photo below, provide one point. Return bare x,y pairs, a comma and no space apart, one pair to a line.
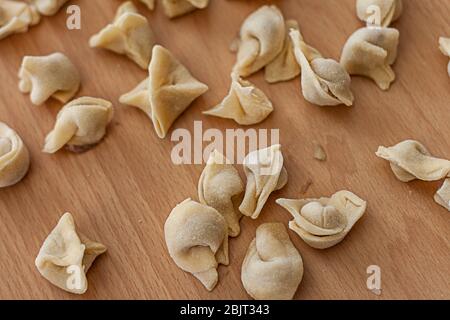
121,192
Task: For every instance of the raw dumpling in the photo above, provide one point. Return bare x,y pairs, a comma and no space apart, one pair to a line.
129,34
390,10
245,103
410,160
80,125
265,174
175,8
149,3
284,67
167,92
323,223
442,196
370,52
14,157
324,81
273,267
444,45
261,40
197,239
16,17
220,187
49,76
63,252
48,7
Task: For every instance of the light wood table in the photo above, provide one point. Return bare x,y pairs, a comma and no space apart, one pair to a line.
121,192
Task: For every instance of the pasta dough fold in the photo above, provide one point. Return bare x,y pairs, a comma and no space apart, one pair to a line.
442,196
16,17
244,103
261,40
220,187
273,267
49,76
284,67
265,174
444,46
65,255
175,8
390,10
14,157
129,34
323,223
411,160
197,238
166,93
371,52
48,7
80,125
324,81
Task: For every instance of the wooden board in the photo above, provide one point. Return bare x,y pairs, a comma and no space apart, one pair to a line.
121,192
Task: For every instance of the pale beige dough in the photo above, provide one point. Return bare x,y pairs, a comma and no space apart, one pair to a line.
324,81
166,93
261,40
444,46
80,125
244,103
64,249
323,223
272,268
176,8
411,160
52,76
197,239
371,52
129,34
221,187
284,67
16,17
265,173
48,7
390,10
442,196
14,157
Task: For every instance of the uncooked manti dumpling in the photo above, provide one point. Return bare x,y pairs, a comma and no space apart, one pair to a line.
371,52
323,223
265,173
129,34
48,7
410,160
16,17
390,10
324,81
261,40
244,103
66,256
167,92
444,46
80,125
284,67
175,8
49,76
14,157
220,187
197,239
442,196
273,267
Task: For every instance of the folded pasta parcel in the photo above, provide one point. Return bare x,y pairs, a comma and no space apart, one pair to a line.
14,157
129,34
167,92
80,125
48,7
390,10
176,8
444,46
16,17
197,238
52,76
66,256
